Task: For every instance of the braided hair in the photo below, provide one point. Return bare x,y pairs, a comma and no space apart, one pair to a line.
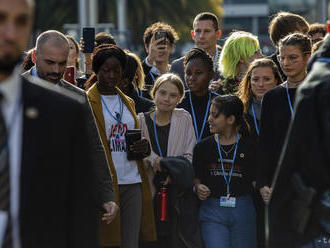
103,52
197,53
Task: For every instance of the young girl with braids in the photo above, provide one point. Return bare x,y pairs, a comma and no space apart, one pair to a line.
224,167
198,67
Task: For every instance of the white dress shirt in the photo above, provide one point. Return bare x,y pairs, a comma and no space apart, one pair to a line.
12,108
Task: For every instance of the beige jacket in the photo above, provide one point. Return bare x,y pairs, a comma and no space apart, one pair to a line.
181,139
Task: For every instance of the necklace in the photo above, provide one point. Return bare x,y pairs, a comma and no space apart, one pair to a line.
229,151
296,84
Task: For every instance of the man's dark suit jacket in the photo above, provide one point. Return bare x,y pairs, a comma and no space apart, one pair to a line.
57,190
100,164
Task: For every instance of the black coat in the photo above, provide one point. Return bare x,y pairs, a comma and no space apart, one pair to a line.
57,187
306,152
183,204
100,164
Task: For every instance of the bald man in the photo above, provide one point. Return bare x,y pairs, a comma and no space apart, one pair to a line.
50,58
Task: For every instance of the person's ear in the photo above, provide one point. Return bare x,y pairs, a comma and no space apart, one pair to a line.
307,56
192,34
146,47
231,119
219,33
171,48
34,56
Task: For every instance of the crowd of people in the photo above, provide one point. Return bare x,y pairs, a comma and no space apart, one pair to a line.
223,147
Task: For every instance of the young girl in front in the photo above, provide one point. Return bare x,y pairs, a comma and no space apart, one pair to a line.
224,165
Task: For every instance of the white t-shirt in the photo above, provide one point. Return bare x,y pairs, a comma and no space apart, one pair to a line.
127,171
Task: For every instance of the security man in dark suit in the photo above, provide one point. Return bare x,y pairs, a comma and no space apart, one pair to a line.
50,59
47,183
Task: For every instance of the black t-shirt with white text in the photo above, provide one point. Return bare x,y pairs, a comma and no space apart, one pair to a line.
208,168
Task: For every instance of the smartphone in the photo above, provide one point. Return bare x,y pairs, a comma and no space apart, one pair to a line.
131,136
69,74
160,34
89,39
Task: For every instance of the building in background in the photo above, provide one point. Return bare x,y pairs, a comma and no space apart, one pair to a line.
312,10
251,16
254,16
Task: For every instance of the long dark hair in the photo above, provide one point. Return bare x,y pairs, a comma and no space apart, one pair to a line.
232,105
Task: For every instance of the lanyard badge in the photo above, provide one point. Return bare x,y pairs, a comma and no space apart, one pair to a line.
199,135
289,100
227,201
117,116
255,119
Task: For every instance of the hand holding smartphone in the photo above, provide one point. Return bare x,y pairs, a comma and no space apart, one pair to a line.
89,38
131,136
69,74
161,34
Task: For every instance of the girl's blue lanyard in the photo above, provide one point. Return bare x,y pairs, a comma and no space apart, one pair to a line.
119,114
255,119
152,76
140,93
289,100
199,136
156,135
14,115
227,180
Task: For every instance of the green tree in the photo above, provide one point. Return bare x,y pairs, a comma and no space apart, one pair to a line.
142,13
52,14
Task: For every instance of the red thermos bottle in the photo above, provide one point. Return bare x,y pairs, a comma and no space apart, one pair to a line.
162,200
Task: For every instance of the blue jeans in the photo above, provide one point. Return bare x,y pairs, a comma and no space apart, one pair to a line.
228,227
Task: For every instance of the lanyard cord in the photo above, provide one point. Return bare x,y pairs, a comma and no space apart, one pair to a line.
152,76
119,114
289,100
227,180
199,136
255,119
156,135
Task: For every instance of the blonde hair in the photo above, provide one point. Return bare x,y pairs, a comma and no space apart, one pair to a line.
239,45
168,77
139,82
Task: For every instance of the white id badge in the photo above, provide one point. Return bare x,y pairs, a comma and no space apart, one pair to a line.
227,203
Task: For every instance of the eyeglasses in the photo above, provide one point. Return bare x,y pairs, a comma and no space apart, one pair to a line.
291,58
